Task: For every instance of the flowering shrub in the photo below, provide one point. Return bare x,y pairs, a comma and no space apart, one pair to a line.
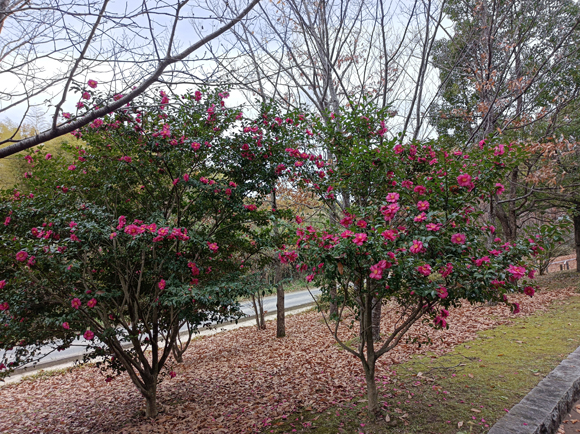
405,226
146,234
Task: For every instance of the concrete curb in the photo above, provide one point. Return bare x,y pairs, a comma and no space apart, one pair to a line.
66,362
543,409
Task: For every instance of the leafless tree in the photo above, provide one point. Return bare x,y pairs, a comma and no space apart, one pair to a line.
49,48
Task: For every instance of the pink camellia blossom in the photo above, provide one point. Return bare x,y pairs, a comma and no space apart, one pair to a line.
21,256
186,177
421,217
416,247
48,156
424,269
92,84
194,269
66,115
310,278
197,95
7,221
422,205
442,292
4,306
203,180
251,207
72,167
434,227
516,271
447,270
134,230
359,239
347,234
195,146
389,211
212,246
532,273
86,95
392,197
76,303
126,159
172,374
122,221
464,180
347,221
458,238
420,190
528,290
113,235
89,335
376,272
479,262
499,188
65,326
497,283
398,149
362,224
80,105
515,308
2,283
161,284
407,183
499,150
92,303
299,219
389,235
481,144
175,181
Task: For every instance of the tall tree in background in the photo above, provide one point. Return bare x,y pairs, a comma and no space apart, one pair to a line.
49,48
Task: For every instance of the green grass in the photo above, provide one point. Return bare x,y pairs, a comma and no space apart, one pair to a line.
467,389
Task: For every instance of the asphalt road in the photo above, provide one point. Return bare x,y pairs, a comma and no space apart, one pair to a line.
291,300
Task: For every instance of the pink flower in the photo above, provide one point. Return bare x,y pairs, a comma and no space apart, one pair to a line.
359,239
75,303
464,180
66,115
126,159
528,290
113,235
195,146
92,303
72,167
89,335
4,306
392,197
479,262
531,273
175,181
447,270
376,272
434,227
420,190
203,180
347,221
458,238
186,177
161,284
86,95
197,95
407,183
499,188
80,104
517,272
398,149
442,292
440,322
2,283
92,84
48,157
425,269
172,374
389,235
122,221
422,205
499,150
421,217
134,230
416,247
515,308
361,224
310,278
481,144
7,221
21,256
212,246
347,234
299,219
65,326
251,207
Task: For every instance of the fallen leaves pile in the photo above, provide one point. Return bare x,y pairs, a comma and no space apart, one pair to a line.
239,381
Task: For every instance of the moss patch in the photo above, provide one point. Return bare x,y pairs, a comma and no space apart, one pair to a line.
465,391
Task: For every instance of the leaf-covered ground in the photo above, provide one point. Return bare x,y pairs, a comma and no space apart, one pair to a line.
237,382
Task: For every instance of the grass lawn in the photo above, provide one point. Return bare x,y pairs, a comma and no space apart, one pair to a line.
468,389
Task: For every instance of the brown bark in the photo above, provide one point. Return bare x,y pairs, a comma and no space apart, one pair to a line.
151,397
376,319
333,305
280,316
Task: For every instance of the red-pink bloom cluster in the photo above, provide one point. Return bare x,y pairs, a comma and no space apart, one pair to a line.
360,238
417,247
458,238
424,269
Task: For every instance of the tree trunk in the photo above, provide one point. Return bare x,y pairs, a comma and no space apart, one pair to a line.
370,363
177,354
376,319
577,237
333,305
372,392
280,316
151,398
